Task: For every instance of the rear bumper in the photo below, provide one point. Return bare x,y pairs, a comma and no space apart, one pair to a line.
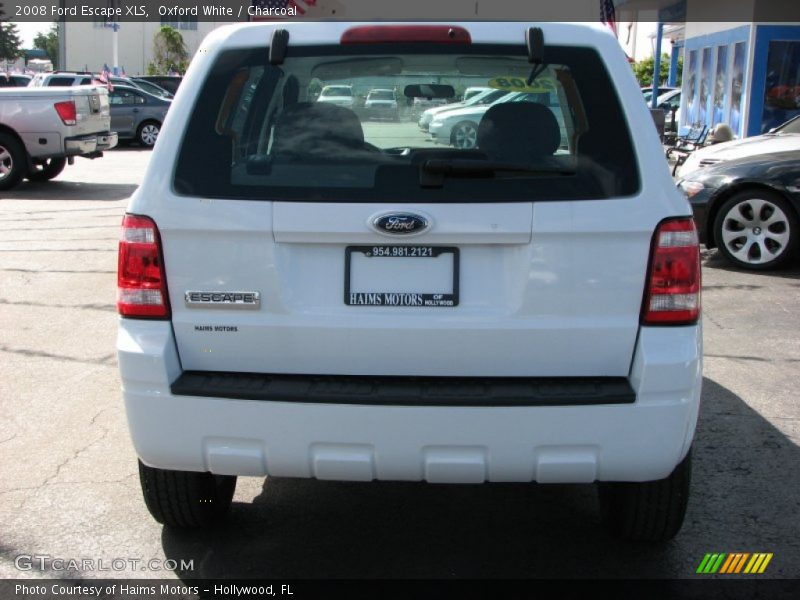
560,443
90,144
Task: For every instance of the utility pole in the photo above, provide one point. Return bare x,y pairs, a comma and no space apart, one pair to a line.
62,39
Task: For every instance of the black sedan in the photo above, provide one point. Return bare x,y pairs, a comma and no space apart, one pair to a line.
749,208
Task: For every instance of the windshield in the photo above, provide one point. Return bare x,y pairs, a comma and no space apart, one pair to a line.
336,91
791,126
261,131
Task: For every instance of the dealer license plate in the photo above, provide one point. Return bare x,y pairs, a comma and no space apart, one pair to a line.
416,276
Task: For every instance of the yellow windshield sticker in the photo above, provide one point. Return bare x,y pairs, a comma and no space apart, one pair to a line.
542,85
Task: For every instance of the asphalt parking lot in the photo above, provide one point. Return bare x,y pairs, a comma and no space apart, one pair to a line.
69,486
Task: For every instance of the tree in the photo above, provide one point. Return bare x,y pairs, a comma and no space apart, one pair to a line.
169,52
10,44
49,43
644,70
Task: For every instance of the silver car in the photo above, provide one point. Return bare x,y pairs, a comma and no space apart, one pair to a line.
137,115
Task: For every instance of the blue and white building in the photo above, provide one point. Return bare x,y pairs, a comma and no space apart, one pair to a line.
743,73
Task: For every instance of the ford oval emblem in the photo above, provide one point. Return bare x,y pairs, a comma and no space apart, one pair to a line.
400,223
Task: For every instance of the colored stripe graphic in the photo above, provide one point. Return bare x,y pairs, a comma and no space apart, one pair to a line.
711,563
739,566
764,564
734,563
727,564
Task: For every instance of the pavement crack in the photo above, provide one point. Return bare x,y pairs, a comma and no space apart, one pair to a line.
8,439
106,360
75,455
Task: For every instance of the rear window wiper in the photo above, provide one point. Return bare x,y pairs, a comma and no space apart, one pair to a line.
433,172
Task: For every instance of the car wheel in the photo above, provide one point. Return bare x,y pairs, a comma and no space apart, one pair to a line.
185,498
148,133
651,511
47,169
464,135
12,162
756,229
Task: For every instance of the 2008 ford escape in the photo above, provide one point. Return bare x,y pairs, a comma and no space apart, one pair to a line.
305,292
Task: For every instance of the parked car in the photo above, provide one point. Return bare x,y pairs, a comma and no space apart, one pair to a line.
670,103
167,82
137,115
381,104
339,95
785,137
647,92
152,88
749,208
301,296
473,91
43,129
459,128
14,80
62,79
484,98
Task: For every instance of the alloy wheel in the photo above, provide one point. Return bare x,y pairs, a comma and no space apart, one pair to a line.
755,231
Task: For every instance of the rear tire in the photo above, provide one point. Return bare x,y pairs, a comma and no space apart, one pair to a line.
47,170
651,511
185,498
12,162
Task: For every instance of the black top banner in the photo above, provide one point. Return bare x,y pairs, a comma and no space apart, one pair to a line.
170,11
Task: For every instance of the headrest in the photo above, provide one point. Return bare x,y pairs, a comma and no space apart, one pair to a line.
317,128
518,132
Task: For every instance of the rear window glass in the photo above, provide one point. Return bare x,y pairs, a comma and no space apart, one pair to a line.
263,132
336,91
381,95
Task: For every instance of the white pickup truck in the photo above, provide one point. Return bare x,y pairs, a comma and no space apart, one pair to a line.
42,129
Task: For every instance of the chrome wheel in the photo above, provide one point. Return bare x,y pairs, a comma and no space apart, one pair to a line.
13,165
756,229
148,134
464,135
6,163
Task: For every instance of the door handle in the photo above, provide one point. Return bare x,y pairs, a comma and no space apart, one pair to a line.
135,110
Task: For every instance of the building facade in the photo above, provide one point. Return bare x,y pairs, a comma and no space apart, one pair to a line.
88,46
744,73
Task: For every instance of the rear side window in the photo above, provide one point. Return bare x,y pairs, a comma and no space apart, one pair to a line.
60,81
263,132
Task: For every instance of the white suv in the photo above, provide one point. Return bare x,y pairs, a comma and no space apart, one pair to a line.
306,295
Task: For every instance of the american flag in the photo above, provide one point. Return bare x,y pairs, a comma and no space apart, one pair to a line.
300,5
103,79
608,14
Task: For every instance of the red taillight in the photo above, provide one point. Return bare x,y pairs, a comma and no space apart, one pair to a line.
141,283
672,296
66,110
400,34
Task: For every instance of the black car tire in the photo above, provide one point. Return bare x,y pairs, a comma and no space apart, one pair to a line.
754,223
13,164
184,498
144,133
47,169
651,511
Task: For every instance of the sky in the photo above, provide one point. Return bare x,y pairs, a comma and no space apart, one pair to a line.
28,31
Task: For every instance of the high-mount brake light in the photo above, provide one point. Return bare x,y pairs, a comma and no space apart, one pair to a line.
401,34
141,282
67,111
672,295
